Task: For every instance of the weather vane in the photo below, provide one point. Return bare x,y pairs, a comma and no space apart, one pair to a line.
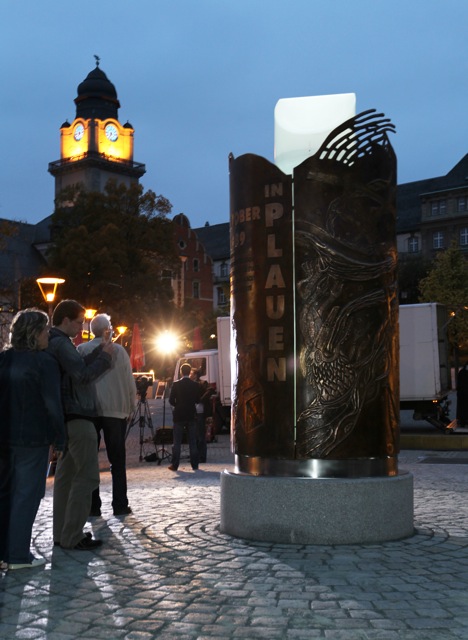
98,60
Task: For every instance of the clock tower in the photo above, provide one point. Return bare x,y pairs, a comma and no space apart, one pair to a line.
95,147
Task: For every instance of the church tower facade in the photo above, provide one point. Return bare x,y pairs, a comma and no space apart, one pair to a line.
95,147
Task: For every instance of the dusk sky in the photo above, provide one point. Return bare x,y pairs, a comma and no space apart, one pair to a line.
198,79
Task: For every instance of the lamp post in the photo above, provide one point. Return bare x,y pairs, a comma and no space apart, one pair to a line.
167,343
120,330
89,315
48,287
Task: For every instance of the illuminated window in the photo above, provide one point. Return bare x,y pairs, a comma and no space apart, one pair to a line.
438,240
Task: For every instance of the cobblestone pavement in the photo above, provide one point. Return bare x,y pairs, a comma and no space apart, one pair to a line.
167,572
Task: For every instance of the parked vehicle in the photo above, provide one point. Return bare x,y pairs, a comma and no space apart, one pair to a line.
214,366
425,378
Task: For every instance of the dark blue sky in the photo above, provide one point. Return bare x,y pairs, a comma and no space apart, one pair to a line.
199,79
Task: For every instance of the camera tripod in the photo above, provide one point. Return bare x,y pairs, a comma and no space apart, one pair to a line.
164,435
142,417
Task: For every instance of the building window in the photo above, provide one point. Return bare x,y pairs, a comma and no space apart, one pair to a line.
438,208
413,244
462,204
196,264
221,296
196,290
464,237
438,240
223,270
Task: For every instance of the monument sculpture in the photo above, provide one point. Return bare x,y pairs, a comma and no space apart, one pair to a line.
315,320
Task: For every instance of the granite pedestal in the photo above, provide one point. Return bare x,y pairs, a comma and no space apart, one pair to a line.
317,510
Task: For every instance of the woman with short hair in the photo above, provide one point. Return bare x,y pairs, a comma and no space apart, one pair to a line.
32,420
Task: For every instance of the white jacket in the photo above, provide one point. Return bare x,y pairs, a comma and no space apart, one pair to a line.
115,388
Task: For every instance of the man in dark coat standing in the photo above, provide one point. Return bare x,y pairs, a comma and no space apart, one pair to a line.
462,396
185,394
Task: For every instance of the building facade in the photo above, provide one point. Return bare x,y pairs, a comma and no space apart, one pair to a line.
193,283
215,239
433,214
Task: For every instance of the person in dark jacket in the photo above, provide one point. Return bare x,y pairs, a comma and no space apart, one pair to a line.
77,474
462,396
32,420
185,394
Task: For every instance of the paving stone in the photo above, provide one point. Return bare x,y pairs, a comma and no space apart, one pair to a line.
166,571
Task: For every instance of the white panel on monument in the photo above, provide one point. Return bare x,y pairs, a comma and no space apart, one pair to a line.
302,124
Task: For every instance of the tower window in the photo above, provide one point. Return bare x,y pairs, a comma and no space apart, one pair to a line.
196,290
196,264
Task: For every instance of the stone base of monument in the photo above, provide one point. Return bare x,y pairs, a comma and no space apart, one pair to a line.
317,510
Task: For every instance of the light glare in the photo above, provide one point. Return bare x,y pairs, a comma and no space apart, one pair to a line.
167,342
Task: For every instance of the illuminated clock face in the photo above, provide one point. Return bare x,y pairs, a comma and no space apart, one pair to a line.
79,132
111,132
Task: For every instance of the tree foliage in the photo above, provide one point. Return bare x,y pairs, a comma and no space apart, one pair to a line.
411,270
114,250
447,283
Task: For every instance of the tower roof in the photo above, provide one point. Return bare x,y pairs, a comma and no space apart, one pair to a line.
97,97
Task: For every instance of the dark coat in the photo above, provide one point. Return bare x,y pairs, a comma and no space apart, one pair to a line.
78,395
30,402
462,396
185,394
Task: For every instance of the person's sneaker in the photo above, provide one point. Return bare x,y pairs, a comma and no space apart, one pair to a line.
35,562
3,565
171,467
87,544
124,511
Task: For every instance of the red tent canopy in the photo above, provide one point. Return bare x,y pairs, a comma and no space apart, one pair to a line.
137,355
79,339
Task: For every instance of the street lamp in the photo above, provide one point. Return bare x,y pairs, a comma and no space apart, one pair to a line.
48,287
167,343
89,315
120,330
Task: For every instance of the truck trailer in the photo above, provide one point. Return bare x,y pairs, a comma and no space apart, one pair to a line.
425,378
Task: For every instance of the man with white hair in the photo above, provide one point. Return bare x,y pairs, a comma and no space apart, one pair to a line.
116,396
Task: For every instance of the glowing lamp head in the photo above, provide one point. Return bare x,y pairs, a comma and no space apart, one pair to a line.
167,342
48,287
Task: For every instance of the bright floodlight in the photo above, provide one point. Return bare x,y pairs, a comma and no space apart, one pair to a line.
302,124
167,342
